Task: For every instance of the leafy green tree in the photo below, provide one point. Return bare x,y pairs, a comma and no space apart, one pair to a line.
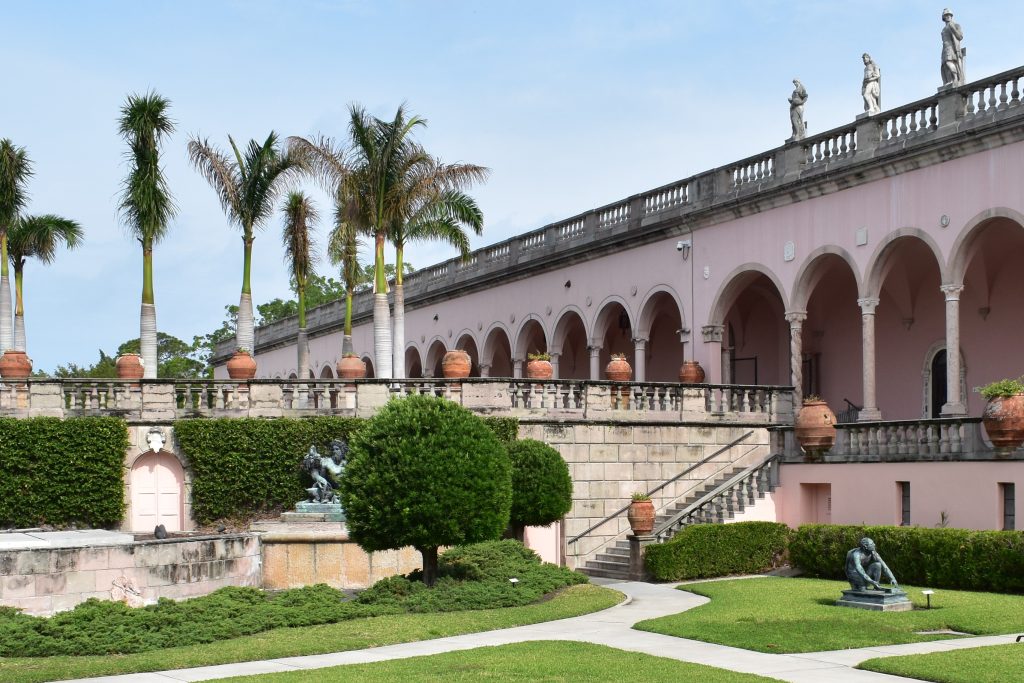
343,251
299,215
541,486
37,237
425,472
104,368
15,170
175,358
248,186
146,204
365,274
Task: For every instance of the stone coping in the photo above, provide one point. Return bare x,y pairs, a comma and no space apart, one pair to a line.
93,538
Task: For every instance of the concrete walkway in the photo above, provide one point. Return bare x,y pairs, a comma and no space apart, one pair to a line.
612,627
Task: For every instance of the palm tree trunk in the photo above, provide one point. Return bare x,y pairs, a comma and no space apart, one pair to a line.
147,316
346,340
19,311
399,341
382,347
303,340
245,337
6,339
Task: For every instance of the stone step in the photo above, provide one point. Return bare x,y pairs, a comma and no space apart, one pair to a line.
611,559
617,551
604,574
608,566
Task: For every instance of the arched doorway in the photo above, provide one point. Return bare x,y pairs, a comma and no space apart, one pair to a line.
613,333
157,483
369,367
413,366
756,336
435,354
468,344
498,352
570,343
661,324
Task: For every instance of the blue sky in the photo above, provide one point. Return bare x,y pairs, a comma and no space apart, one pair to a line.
571,104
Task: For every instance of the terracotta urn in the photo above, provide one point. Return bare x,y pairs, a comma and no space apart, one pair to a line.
539,369
618,369
351,367
15,365
241,366
129,366
691,372
1004,421
456,364
641,516
815,427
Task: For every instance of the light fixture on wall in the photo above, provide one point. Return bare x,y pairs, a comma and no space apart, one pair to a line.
683,247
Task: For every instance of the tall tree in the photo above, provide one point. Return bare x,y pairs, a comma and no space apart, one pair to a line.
38,237
248,186
15,170
343,250
299,215
146,203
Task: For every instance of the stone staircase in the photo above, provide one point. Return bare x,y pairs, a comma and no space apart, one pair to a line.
716,501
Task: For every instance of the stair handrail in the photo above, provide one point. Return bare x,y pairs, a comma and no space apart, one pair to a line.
769,461
689,469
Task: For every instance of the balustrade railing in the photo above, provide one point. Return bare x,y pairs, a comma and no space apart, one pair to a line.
570,230
753,170
667,197
899,125
830,147
612,215
993,94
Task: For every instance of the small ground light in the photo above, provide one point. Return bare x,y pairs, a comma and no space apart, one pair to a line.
514,581
928,595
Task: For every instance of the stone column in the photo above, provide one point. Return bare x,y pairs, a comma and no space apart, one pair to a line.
713,339
953,407
485,370
867,310
796,355
554,364
517,368
640,359
595,361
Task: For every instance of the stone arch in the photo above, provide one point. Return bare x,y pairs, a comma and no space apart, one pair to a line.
881,260
531,336
435,354
734,284
467,342
293,375
157,491
811,271
928,382
661,324
648,308
368,362
750,310
413,364
497,351
327,372
569,341
605,311
965,245
612,332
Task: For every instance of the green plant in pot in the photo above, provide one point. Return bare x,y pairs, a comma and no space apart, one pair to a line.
1004,413
641,514
538,365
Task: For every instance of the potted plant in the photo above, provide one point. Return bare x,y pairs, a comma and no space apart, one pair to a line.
456,364
815,426
15,365
538,365
1004,413
129,366
641,514
241,365
618,368
691,372
351,366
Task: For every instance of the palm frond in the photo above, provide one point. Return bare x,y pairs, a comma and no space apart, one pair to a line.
222,175
15,170
40,236
299,245
146,205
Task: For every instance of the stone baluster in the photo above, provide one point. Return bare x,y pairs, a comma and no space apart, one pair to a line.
954,406
870,412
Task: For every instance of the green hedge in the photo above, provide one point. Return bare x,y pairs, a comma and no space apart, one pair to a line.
62,472
245,466
706,550
938,558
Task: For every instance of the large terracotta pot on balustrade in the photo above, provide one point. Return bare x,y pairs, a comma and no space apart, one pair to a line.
815,427
351,367
691,372
641,516
241,365
129,366
456,364
618,369
539,368
1004,421
15,365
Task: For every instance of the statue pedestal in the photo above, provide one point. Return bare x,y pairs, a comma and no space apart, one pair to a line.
885,600
315,512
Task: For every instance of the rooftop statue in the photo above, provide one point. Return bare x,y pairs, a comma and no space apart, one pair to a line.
796,110
871,90
325,471
952,54
864,567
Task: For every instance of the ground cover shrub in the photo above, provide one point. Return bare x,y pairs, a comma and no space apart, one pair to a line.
706,550
938,558
425,472
541,485
62,472
474,577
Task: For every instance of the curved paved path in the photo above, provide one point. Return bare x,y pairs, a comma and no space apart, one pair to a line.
612,627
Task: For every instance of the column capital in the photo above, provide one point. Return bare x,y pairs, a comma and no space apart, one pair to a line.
640,341
796,317
952,292
594,350
713,333
868,304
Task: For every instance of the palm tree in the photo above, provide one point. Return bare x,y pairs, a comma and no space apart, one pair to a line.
299,214
146,203
248,186
343,249
38,237
15,170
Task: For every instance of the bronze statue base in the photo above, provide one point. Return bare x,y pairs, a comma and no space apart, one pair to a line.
885,600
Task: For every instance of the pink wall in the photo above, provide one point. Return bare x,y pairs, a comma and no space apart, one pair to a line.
968,492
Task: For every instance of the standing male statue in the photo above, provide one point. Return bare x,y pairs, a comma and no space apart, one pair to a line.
952,53
864,567
796,110
871,90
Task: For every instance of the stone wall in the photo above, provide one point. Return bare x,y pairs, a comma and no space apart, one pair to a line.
609,462
43,581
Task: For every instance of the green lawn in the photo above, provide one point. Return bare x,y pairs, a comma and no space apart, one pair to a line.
548,661
289,642
994,664
799,615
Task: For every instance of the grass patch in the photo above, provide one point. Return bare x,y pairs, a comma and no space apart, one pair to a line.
532,661
799,615
356,634
992,664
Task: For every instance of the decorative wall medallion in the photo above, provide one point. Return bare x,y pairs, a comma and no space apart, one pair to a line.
449,333
512,318
632,290
547,310
862,237
788,251
944,221
423,338
707,272
479,326
589,301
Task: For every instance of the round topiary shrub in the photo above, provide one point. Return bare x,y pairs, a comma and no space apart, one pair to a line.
425,472
541,486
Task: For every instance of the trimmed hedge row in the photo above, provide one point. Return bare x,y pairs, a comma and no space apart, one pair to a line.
245,466
62,472
703,551
939,558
